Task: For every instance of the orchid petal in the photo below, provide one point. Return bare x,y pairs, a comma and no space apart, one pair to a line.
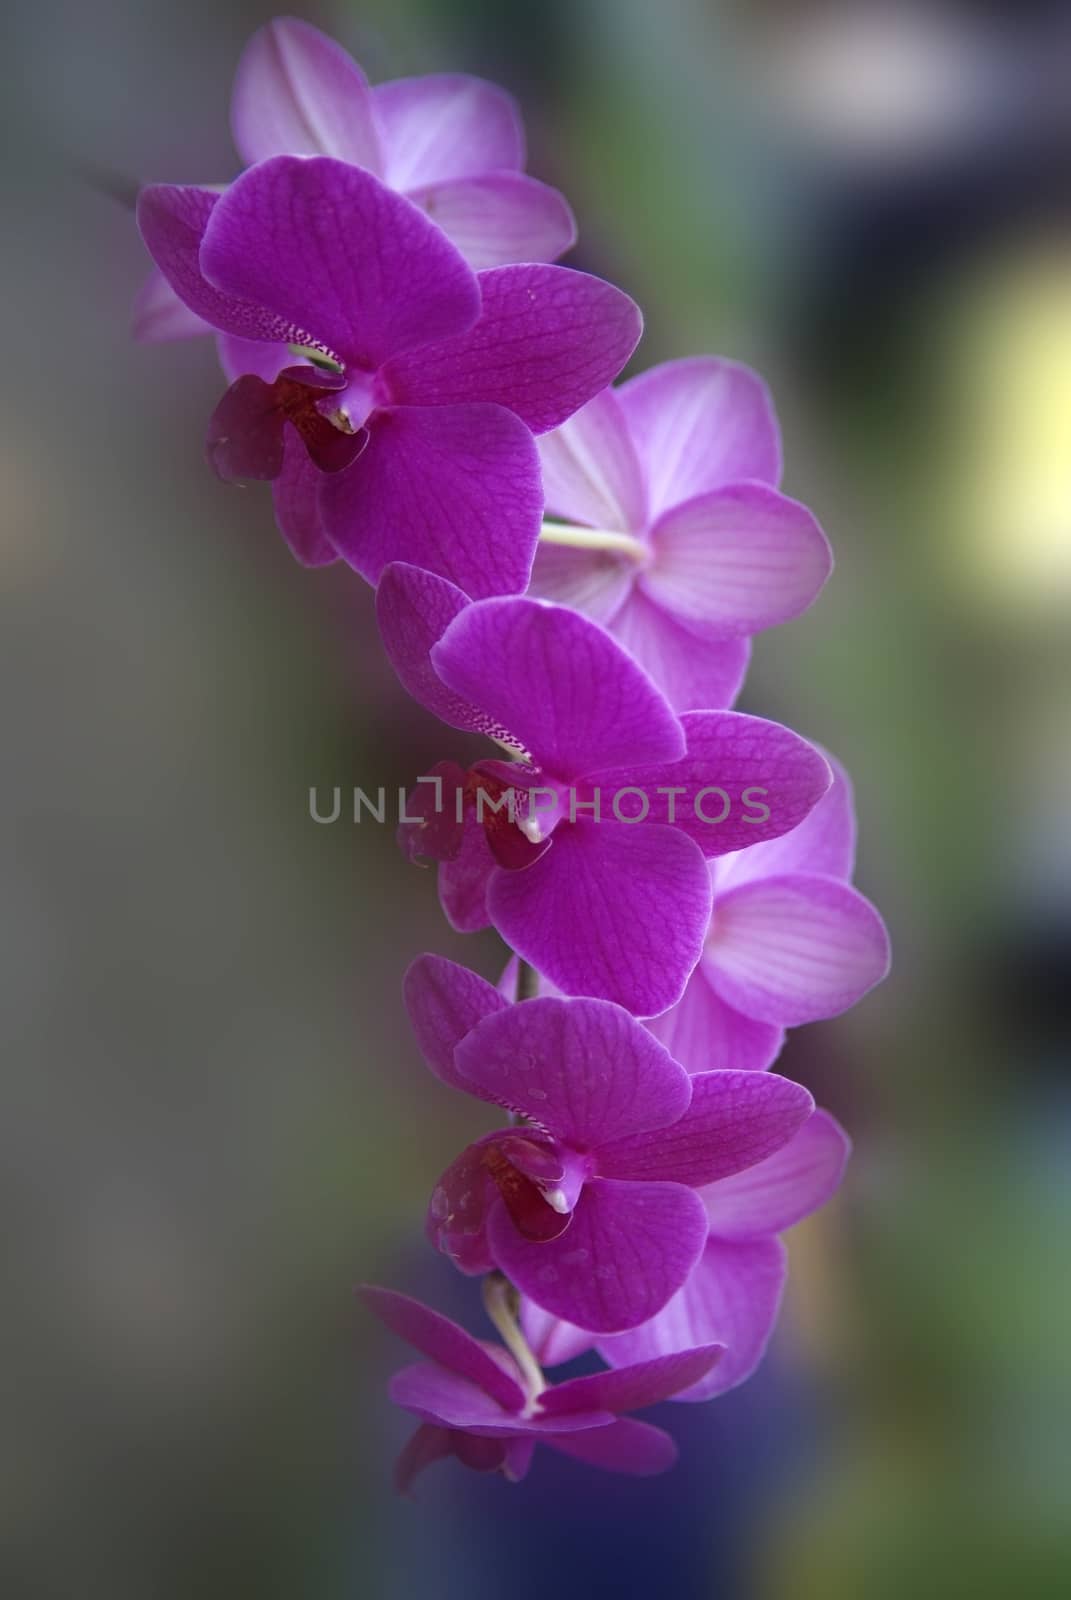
454,489
569,693
445,1002
446,125
159,314
327,247
736,560
735,1119
583,1069
778,1192
694,674
629,1247
610,910
591,473
499,217
547,340
699,424
795,949
443,1342
298,93
703,1033
636,1449
632,1388
732,1298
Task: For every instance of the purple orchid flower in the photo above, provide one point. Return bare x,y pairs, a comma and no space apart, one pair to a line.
489,1408
733,1294
588,1206
789,942
439,376
608,893
452,144
678,540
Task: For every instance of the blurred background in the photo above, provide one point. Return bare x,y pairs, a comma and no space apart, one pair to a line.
217,1121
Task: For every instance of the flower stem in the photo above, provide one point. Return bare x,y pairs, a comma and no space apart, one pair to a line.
502,1304
593,539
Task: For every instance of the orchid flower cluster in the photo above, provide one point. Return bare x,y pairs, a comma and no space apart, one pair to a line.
573,570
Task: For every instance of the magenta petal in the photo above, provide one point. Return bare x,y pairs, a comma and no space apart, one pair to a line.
824,842
629,1247
296,496
463,882
635,1448
703,1033
446,125
298,93
499,217
478,1453
569,693
547,340
737,768
414,608
734,1120
519,1454
736,560
795,949
428,1444
445,1002
590,469
160,315
454,489
173,220
456,1223
694,674
732,1298
444,1342
699,424
633,1388
245,432
438,1395
787,1186
614,911
331,249
584,1069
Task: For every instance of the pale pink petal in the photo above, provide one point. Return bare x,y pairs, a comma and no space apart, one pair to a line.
824,842
694,674
787,1186
238,357
160,315
499,217
584,1069
699,424
440,1396
628,1248
297,93
732,1298
591,473
736,560
795,949
596,582
610,910
446,126
702,1032
454,489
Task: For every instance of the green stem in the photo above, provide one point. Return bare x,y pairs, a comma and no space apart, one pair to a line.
502,1304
